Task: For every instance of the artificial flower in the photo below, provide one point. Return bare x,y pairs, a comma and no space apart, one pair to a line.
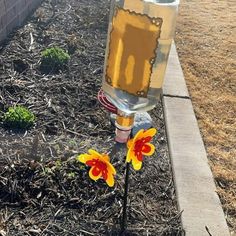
140,146
100,166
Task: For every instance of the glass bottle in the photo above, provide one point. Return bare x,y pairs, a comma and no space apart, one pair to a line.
140,34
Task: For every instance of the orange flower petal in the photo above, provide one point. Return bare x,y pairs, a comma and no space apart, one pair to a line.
150,132
130,143
138,135
110,180
152,149
105,157
84,158
137,164
111,168
130,155
94,153
92,176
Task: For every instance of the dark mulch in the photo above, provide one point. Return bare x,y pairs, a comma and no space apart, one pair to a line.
43,190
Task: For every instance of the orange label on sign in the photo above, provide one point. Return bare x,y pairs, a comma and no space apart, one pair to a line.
132,51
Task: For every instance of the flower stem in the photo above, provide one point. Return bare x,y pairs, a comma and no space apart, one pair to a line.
125,198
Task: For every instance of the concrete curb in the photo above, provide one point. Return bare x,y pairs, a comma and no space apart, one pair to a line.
195,188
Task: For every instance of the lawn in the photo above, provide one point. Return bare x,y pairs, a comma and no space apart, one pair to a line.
206,45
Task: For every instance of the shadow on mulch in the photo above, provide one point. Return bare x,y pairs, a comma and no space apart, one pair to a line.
44,191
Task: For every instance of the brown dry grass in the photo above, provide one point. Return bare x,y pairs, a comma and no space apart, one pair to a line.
206,42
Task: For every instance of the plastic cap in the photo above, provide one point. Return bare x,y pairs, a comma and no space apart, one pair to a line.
122,136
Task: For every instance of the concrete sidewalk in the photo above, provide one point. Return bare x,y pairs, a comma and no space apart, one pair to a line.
195,188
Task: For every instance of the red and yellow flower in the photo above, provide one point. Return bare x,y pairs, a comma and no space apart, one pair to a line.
140,146
100,166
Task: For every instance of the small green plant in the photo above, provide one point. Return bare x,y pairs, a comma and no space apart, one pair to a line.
71,175
18,117
54,59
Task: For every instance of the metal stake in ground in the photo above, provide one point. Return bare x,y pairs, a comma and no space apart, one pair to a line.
125,199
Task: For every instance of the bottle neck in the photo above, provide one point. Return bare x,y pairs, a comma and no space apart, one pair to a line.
124,123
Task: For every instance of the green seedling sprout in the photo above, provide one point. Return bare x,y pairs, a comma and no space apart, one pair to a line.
54,59
18,117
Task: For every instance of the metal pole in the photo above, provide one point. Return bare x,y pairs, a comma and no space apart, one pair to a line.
125,199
